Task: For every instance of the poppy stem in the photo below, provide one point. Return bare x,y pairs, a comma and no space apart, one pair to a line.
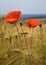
10,40
18,36
17,42
26,42
19,39
2,37
6,43
5,29
24,35
41,34
32,39
32,35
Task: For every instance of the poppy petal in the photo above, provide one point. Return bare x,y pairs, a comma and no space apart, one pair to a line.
13,16
32,22
12,20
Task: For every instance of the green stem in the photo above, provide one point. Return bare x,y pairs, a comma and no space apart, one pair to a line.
10,41
27,42
41,34
5,29
25,38
31,40
19,37
17,42
6,42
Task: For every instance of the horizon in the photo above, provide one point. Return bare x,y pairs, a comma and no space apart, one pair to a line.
25,14
29,16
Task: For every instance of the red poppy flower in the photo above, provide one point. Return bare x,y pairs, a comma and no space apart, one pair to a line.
11,21
12,17
32,22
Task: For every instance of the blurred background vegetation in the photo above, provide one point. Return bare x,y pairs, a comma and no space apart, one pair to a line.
22,47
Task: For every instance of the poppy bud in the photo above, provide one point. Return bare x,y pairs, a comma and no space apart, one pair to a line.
16,36
40,25
21,24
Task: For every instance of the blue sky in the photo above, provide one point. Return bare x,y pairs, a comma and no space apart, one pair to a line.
26,6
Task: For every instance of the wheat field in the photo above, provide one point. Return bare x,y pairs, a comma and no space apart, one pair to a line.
22,45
